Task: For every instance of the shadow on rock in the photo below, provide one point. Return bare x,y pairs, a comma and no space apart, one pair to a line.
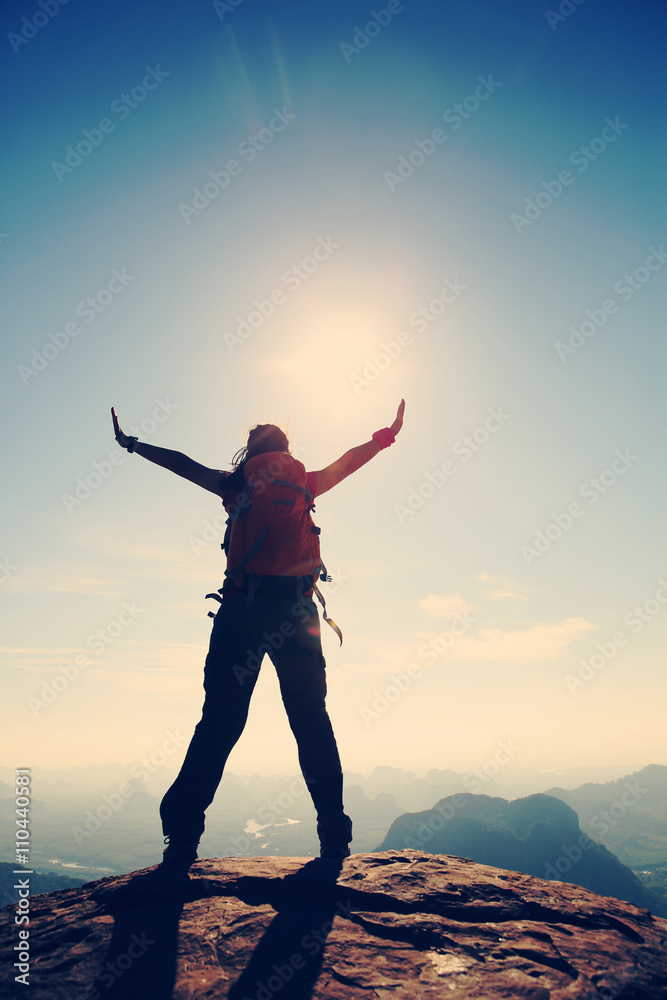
288,959
141,958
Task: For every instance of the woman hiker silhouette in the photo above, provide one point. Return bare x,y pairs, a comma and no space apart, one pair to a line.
267,484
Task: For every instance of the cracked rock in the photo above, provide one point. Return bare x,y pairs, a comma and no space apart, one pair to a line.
404,925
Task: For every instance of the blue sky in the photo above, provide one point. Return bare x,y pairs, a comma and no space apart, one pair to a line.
551,427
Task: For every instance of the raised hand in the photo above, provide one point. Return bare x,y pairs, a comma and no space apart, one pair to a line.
398,422
122,439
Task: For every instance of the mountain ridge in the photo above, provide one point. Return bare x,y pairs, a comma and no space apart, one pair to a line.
538,835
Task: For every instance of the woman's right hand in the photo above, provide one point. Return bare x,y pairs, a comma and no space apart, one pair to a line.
122,439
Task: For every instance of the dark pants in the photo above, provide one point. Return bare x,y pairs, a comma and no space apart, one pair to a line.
280,622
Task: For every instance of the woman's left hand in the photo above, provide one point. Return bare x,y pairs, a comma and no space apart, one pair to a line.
398,422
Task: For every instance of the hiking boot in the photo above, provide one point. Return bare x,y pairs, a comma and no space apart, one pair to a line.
331,853
180,852
335,833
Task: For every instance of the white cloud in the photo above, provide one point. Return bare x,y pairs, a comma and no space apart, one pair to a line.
505,595
538,643
533,643
160,659
444,605
500,588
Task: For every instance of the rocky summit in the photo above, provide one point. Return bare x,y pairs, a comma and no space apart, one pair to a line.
396,925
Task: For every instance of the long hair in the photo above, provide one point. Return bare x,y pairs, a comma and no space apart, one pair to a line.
261,438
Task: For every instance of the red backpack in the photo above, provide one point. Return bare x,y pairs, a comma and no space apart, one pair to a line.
270,531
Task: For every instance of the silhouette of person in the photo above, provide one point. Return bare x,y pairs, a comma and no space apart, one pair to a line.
259,613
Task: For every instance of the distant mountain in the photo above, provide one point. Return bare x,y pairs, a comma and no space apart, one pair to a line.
39,882
413,793
537,835
80,817
628,815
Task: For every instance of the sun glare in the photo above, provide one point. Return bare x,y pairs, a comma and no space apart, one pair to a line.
329,351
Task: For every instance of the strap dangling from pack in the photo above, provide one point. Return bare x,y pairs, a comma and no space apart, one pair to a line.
329,621
216,597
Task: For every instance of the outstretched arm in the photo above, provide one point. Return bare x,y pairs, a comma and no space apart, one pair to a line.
353,459
175,461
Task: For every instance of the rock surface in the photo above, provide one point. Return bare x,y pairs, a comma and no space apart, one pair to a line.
397,925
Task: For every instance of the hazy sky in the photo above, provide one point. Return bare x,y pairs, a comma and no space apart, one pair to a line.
221,214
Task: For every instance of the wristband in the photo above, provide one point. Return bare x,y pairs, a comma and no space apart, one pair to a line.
384,438
132,443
